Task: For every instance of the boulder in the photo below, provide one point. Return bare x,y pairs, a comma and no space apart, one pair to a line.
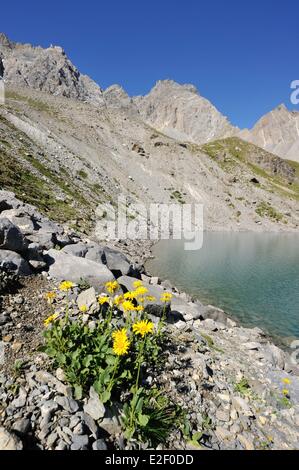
117,262
214,313
63,266
19,218
11,238
14,262
78,249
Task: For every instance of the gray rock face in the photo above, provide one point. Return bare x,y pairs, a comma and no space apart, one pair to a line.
14,262
64,266
179,111
276,132
11,237
48,70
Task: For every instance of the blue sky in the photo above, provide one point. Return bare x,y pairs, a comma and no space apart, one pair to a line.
241,55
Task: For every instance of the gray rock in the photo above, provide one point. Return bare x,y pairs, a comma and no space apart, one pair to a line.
20,401
78,249
94,407
252,346
99,445
48,408
80,442
9,441
117,262
68,267
68,404
14,262
19,218
11,238
89,299
21,426
241,406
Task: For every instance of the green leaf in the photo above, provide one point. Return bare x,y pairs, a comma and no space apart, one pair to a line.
143,419
78,391
105,396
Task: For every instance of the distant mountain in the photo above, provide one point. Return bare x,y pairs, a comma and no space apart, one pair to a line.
277,132
47,70
180,112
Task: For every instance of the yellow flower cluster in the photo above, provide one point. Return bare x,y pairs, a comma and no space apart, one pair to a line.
166,297
112,286
51,319
50,297
143,327
66,285
104,299
121,342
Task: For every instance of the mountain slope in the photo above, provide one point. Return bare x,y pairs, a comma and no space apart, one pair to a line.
72,152
277,132
180,112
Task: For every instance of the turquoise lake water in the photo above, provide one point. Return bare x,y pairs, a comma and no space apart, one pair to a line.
252,276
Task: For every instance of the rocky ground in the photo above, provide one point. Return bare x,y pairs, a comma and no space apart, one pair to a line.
238,389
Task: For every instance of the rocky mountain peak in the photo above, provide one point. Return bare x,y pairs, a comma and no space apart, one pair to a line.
180,112
47,70
4,41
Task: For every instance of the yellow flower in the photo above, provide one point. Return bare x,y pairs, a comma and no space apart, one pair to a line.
285,391
166,297
66,285
127,305
83,308
143,327
121,342
137,284
286,381
103,299
150,298
50,296
118,300
141,291
129,295
51,319
139,308
112,286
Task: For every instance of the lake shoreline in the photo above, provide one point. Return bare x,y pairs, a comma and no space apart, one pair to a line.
279,340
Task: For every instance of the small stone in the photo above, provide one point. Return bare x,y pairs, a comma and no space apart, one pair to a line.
246,442
223,415
9,441
60,375
16,346
241,406
252,346
223,434
262,420
48,408
230,323
7,338
99,445
94,407
80,442
20,401
21,426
